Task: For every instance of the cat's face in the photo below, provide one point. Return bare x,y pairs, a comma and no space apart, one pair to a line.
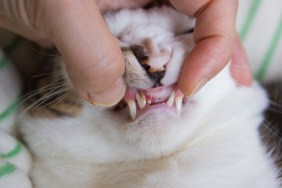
154,118
154,113
154,44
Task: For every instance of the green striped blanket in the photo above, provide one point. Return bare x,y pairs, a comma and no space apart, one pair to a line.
15,161
260,28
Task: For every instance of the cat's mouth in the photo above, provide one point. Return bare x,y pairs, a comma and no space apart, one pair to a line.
140,101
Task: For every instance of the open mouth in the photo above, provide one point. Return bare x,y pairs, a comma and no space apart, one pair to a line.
140,101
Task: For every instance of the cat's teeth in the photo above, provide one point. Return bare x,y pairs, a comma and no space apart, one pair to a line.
132,109
149,101
170,101
143,97
141,100
178,103
138,99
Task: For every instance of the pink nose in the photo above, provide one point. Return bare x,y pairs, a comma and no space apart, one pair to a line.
158,57
158,63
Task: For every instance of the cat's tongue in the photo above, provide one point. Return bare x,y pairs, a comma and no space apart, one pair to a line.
144,99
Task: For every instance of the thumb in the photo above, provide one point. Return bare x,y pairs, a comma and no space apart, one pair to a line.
92,56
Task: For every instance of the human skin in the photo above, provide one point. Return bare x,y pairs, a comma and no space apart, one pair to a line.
91,52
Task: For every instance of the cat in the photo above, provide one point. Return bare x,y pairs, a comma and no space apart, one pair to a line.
155,137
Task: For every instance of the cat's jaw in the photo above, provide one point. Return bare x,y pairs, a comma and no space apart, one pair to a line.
158,130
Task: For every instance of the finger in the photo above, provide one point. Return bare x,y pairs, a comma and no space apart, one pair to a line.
14,17
92,55
118,4
240,69
214,37
17,16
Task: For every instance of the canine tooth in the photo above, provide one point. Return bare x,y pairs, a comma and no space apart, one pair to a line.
143,97
138,99
171,99
149,101
141,100
178,103
132,109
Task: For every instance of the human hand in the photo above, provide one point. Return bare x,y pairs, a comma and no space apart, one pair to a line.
89,63
216,42
92,55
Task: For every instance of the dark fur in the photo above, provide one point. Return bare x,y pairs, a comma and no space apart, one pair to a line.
271,129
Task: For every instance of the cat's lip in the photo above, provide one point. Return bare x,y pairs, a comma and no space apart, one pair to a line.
140,101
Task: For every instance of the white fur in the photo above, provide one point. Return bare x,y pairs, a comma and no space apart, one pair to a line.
214,144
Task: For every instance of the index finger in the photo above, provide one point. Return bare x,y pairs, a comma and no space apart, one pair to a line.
92,55
214,36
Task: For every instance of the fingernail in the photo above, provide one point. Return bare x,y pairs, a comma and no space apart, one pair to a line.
199,86
110,97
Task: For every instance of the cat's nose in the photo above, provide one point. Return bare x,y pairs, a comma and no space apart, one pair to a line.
153,59
156,77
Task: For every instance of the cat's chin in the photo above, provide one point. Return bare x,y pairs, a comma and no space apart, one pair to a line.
152,117
152,131
156,124
160,109
155,116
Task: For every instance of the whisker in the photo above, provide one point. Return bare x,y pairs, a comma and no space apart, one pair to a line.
273,130
52,87
275,107
49,96
45,54
33,105
46,74
30,94
57,100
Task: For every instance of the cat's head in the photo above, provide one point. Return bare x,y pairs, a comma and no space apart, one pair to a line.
154,118
154,44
